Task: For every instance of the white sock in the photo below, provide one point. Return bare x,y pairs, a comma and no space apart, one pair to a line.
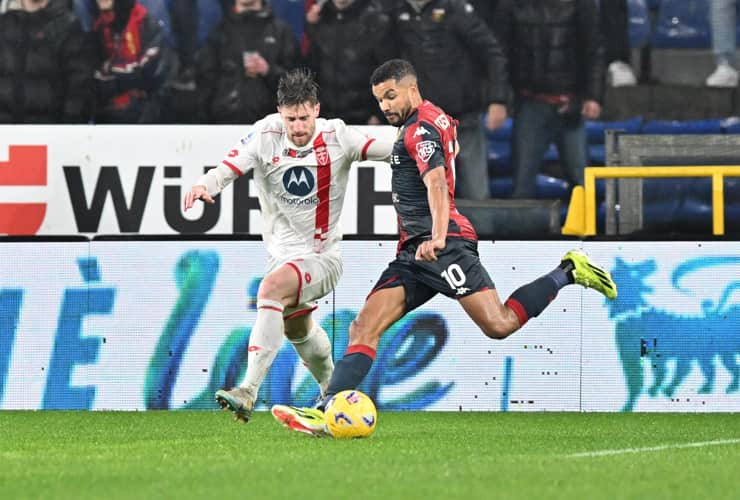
264,343
315,351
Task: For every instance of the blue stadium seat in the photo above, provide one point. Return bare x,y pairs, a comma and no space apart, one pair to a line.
499,157
682,24
503,133
596,130
712,126
292,12
210,14
158,9
639,23
547,187
83,11
596,154
731,125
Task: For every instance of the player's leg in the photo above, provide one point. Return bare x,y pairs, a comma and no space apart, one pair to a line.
313,347
382,308
319,275
498,320
278,289
395,293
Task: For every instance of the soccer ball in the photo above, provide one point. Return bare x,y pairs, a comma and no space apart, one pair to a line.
350,414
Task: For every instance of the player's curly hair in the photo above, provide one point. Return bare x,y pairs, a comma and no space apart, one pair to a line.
296,87
393,69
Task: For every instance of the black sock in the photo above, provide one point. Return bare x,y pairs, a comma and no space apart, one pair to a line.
349,371
531,299
568,267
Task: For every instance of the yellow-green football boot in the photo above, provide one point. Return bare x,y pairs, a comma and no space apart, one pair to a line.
307,420
589,275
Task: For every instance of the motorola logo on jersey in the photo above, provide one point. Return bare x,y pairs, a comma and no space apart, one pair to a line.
298,181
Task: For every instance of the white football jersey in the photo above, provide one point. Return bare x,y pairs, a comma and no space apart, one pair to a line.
300,189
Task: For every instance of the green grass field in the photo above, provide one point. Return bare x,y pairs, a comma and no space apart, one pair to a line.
204,454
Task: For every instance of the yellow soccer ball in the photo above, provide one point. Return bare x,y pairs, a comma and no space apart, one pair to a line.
350,414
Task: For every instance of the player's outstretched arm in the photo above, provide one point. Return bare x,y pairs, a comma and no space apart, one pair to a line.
379,150
197,192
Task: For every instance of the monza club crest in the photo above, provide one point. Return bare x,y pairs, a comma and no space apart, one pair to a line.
425,150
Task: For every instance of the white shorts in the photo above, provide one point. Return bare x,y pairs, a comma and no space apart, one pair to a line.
318,275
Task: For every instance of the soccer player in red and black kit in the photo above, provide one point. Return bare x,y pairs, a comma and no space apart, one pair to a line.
437,251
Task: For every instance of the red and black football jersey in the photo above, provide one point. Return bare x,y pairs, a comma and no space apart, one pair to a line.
424,142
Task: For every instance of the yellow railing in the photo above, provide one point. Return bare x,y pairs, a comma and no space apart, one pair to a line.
581,218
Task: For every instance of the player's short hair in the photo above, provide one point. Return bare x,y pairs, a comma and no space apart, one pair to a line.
296,87
394,69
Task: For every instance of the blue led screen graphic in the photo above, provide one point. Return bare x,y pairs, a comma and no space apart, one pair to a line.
163,325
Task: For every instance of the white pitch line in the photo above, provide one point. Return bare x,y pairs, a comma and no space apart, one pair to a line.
604,453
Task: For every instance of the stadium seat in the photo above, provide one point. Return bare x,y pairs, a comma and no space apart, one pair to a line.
158,9
682,24
499,157
596,154
292,12
639,23
547,187
596,130
210,14
711,126
83,11
731,125
503,133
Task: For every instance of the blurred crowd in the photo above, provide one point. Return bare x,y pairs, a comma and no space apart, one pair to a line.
544,62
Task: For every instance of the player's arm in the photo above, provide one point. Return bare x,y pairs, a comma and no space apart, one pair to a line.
378,150
439,205
210,184
360,147
236,163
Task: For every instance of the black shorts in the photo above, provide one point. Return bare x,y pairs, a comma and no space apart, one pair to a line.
456,273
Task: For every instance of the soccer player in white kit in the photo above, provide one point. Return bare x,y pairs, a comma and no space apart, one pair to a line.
301,164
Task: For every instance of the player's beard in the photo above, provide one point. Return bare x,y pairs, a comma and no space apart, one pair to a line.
396,119
301,140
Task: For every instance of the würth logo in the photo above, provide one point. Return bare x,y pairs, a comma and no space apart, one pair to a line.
26,166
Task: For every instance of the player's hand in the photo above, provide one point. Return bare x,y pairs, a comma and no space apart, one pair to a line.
496,116
197,193
428,250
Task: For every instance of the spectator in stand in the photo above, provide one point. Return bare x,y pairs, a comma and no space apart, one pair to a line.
614,21
134,63
723,15
238,69
46,66
461,68
348,39
557,74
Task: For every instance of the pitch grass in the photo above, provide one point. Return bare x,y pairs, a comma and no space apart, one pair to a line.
412,455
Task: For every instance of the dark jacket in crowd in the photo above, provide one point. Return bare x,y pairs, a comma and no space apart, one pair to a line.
460,65
344,48
553,47
227,94
46,67
134,63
